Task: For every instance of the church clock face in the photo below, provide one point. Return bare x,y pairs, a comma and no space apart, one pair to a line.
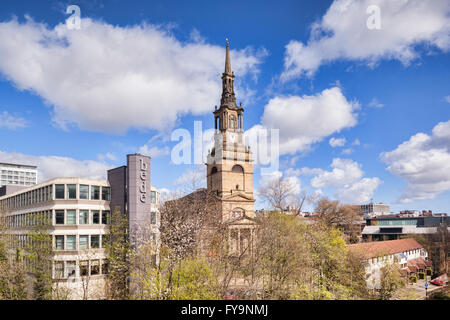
232,137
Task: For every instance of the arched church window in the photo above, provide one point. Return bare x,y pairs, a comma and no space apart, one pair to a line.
237,168
232,122
214,170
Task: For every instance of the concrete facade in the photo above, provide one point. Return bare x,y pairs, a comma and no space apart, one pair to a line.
79,218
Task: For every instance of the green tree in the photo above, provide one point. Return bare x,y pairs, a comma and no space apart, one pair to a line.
390,281
18,278
39,253
118,251
193,279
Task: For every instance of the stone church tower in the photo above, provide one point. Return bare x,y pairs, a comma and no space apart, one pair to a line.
229,164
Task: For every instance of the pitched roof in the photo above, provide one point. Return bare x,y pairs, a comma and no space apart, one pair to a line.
378,248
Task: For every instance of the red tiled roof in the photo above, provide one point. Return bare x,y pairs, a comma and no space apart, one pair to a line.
379,248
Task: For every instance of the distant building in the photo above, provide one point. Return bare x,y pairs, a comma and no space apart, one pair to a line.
372,210
17,175
432,229
408,255
393,227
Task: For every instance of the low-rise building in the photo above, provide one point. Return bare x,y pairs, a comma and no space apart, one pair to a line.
394,227
408,255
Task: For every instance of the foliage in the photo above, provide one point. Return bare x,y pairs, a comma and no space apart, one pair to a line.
39,253
390,281
190,278
343,217
193,279
118,251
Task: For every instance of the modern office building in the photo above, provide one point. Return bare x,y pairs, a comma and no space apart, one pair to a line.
78,211
131,192
17,174
393,227
373,210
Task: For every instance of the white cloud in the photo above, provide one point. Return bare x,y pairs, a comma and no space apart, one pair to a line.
342,34
358,192
374,103
356,142
424,162
347,176
305,120
337,142
192,178
345,171
111,78
8,121
154,151
447,98
50,167
108,155
347,151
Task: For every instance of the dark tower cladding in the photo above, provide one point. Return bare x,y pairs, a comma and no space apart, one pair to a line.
130,193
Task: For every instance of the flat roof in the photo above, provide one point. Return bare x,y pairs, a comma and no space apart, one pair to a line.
17,165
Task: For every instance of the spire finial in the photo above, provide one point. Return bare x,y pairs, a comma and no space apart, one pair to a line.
227,58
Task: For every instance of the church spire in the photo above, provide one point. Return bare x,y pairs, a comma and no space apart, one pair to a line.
228,97
227,59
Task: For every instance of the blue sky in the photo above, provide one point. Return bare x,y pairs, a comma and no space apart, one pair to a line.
75,102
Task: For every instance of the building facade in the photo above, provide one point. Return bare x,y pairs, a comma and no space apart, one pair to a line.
17,174
407,255
132,194
394,227
229,168
78,212
373,210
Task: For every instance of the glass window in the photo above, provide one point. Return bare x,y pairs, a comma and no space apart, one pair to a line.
106,193
95,193
95,241
84,242
71,217
153,217
71,242
70,268
84,268
59,216
105,217
95,217
84,191
59,242
71,191
95,267
84,216
59,191
59,269
153,196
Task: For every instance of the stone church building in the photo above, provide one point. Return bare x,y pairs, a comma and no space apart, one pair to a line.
229,168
